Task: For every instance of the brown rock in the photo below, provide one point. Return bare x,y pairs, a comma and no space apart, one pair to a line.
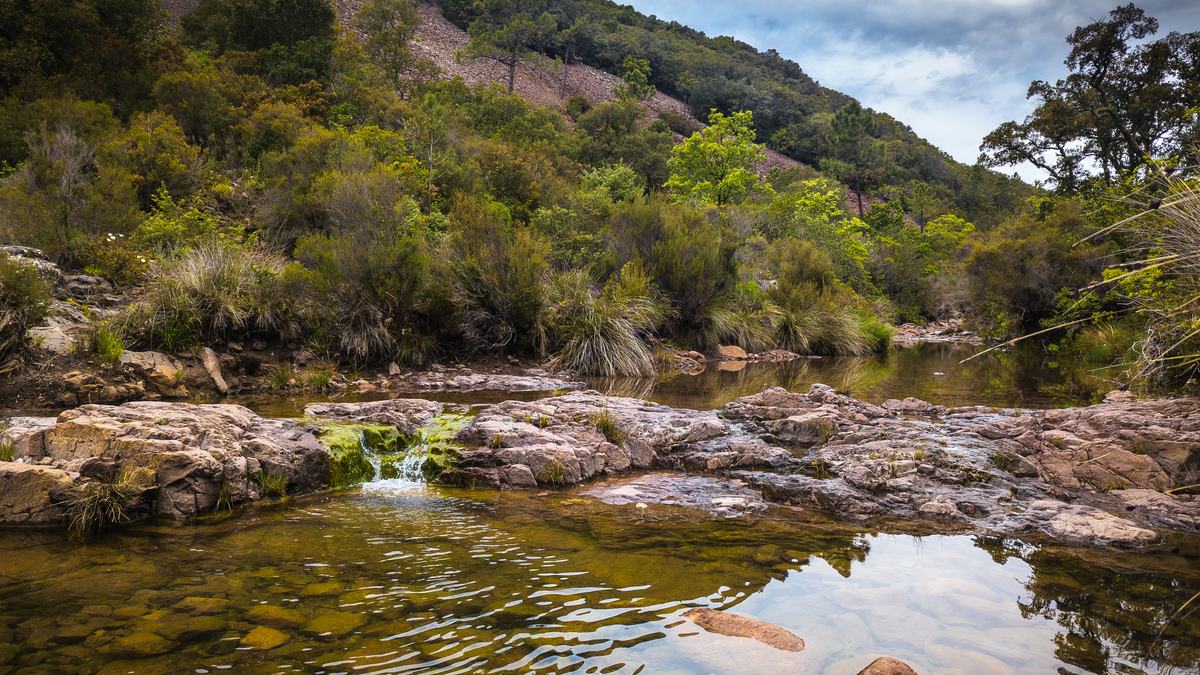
29,494
732,353
736,625
886,665
212,365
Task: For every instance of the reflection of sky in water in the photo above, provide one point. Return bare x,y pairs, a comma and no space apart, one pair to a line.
423,579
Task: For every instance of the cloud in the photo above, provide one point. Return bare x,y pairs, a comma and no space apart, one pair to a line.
953,70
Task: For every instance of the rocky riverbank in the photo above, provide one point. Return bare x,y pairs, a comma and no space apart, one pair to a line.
1104,474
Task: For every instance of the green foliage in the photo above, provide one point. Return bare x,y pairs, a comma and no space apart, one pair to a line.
635,80
499,270
817,313
218,290
274,484
24,302
747,318
107,343
390,25
606,424
1019,269
98,504
612,133
599,332
716,165
291,41
1127,99
175,226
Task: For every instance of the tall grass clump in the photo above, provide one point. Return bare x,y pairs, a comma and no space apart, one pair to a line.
600,331
24,302
817,311
106,342
216,290
747,318
1160,288
99,504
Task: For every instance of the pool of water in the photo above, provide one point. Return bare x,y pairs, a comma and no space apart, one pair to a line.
400,577
1027,377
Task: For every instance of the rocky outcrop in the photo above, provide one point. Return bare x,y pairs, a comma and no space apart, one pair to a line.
201,456
32,495
405,414
1085,475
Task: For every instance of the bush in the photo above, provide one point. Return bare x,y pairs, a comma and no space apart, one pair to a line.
600,332
24,302
219,290
107,343
747,318
373,289
98,504
818,313
499,274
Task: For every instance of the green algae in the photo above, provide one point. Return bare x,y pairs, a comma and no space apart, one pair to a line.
362,452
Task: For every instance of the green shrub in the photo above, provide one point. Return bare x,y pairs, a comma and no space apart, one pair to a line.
877,333
24,302
218,290
107,343
606,424
499,279
747,318
598,332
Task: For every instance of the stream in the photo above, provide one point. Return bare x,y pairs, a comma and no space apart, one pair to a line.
401,577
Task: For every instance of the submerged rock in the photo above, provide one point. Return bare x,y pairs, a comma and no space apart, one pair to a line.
886,665
719,496
736,625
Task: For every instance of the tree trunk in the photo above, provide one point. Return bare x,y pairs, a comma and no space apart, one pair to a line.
858,196
512,71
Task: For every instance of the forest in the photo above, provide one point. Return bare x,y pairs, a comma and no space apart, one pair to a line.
265,171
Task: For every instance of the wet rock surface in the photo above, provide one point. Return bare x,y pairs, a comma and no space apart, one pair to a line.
719,496
736,625
465,379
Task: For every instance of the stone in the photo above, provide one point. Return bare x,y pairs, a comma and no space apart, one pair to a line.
1087,525
212,365
202,605
32,495
406,414
736,625
276,616
263,637
199,454
886,665
335,624
139,644
162,372
731,353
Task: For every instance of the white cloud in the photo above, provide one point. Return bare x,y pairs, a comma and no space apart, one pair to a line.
953,70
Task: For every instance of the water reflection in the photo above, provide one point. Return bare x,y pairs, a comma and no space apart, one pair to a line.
1023,377
399,577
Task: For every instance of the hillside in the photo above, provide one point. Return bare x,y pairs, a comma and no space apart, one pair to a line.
542,82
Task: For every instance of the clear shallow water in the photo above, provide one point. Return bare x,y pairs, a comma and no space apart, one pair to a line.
1026,377
398,577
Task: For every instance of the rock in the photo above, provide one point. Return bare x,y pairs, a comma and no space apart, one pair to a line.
212,365
731,353
1087,525
468,380
199,454
406,414
886,665
736,625
394,370
274,615
723,497
32,495
262,637
139,644
34,258
335,624
162,372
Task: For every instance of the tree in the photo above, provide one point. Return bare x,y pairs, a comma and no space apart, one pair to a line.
635,80
716,164
390,26
1125,101
509,32
922,202
570,41
857,156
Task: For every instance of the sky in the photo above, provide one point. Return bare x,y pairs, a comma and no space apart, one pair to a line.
953,70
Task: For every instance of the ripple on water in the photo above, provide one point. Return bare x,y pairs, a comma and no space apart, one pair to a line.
402,577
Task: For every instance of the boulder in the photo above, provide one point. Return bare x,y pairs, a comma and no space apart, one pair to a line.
162,372
201,455
212,365
886,665
32,495
406,414
732,353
